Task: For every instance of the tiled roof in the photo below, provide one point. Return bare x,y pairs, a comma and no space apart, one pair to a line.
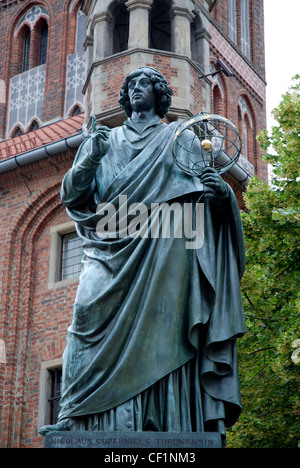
41,137
6,3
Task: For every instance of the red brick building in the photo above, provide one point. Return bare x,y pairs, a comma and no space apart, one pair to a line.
62,62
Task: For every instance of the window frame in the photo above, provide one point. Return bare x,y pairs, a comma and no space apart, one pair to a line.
43,44
57,233
26,52
17,131
67,255
55,393
45,390
27,45
232,20
245,29
33,126
246,128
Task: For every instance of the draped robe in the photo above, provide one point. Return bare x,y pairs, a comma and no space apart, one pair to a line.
145,307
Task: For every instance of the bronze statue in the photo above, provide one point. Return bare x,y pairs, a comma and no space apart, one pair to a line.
152,344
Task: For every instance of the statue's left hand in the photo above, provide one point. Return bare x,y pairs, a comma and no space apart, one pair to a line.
211,179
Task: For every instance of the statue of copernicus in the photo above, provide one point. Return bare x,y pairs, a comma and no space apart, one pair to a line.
152,344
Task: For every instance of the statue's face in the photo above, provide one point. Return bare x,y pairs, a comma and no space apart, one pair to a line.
141,93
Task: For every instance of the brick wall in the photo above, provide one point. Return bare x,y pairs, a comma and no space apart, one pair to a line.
234,88
61,41
256,22
249,79
33,318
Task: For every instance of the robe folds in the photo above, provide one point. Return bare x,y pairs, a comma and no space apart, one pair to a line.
146,306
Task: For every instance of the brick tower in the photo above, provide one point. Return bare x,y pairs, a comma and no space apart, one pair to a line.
62,62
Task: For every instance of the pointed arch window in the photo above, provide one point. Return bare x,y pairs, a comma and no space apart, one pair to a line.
31,40
232,20
218,103
28,68
26,50
33,126
76,110
17,132
246,128
245,35
43,44
76,69
239,25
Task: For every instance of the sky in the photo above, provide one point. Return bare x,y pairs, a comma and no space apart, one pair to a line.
282,39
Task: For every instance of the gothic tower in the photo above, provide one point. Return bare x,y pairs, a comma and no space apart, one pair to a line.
123,35
183,39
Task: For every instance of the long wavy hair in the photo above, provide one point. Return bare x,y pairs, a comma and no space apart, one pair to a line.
162,90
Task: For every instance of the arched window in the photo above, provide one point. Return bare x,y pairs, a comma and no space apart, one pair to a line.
43,44
17,132
232,20
76,63
30,40
245,36
218,93
218,102
33,126
26,50
76,110
160,25
28,68
238,24
245,138
39,43
246,128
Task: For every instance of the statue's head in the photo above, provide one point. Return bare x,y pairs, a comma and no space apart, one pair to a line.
162,91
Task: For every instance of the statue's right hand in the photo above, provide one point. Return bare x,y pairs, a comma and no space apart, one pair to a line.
99,143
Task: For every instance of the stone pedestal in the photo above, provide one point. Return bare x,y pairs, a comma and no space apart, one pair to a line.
161,441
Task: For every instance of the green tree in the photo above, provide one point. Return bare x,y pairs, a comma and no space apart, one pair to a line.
269,352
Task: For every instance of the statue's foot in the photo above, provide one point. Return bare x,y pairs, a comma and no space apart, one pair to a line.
61,426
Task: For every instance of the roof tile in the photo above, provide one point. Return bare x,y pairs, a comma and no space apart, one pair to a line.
43,136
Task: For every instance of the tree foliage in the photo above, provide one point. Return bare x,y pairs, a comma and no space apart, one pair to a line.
269,352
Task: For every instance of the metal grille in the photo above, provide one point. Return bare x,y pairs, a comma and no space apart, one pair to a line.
72,253
43,45
56,377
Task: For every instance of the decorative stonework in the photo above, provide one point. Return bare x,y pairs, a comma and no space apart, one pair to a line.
246,165
245,109
32,15
237,62
27,96
76,67
75,79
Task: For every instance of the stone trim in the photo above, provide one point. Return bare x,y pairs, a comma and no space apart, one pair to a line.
139,4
